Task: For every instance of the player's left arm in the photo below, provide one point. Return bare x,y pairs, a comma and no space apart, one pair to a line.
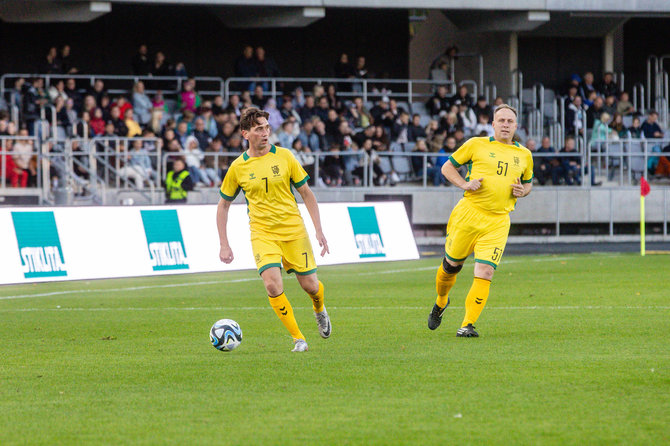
522,186
313,208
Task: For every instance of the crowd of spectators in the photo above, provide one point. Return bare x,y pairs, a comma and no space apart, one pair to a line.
342,133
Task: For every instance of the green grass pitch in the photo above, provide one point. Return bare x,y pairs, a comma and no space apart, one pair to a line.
574,349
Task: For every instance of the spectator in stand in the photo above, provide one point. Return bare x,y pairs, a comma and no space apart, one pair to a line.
358,115
209,123
34,98
380,140
17,177
70,113
235,143
308,137
188,117
65,61
618,127
416,131
343,68
57,90
322,110
181,133
218,105
123,106
400,132
361,72
141,104
624,106
178,182
304,156
215,166
435,136
608,87
298,98
97,122
159,102
200,134
482,108
574,117
333,100
194,162
435,171
320,131
332,173
83,126
274,119
265,65
463,96
51,64
134,128
447,58
651,130
308,110
450,123
189,99
157,121
571,165
227,131
245,66
98,90
332,123
259,100
594,111
22,151
285,135
287,110
610,105
439,102
459,136
586,87
161,67
467,118
635,130
73,93
140,161
573,92
140,62
547,167
89,104
417,161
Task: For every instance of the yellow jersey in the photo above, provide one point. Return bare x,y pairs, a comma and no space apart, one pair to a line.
266,183
500,165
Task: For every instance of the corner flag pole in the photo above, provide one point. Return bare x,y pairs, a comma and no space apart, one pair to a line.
644,191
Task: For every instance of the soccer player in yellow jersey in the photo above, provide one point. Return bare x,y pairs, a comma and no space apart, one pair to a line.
499,172
266,173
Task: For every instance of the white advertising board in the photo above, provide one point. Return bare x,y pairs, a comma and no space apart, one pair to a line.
46,244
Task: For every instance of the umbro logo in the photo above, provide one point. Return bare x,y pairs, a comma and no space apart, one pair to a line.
283,311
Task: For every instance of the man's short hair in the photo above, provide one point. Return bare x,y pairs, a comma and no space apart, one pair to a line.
505,106
251,117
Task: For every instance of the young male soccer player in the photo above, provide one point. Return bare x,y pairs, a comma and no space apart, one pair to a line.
499,172
266,173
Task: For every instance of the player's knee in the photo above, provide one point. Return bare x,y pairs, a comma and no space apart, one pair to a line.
310,284
274,289
449,268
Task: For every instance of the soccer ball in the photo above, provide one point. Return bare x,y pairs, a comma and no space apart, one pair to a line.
226,335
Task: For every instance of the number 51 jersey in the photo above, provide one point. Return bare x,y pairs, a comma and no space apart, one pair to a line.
266,183
499,165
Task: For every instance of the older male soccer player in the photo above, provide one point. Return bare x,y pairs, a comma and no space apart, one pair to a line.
499,172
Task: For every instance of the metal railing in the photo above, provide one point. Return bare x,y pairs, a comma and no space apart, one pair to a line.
367,89
120,84
7,150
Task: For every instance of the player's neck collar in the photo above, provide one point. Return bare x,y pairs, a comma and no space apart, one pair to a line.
493,139
246,156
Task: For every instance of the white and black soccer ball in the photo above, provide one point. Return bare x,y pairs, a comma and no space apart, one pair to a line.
226,335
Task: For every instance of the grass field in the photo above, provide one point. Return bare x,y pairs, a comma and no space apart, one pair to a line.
573,350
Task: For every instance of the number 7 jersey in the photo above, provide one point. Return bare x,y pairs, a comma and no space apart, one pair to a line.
500,165
266,183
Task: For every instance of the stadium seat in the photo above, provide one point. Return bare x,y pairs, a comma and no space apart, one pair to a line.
409,146
637,164
171,106
404,106
402,166
420,108
395,147
527,96
628,121
385,164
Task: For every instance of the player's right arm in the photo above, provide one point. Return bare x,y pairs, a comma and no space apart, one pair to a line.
450,169
225,253
451,173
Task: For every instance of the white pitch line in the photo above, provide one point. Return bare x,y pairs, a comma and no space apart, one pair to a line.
396,308
215,282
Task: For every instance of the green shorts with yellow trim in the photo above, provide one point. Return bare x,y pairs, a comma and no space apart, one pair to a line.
295,256
471,229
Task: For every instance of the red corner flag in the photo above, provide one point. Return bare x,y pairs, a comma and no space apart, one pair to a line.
644,187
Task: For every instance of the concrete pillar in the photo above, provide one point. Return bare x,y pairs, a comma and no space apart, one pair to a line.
608,52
